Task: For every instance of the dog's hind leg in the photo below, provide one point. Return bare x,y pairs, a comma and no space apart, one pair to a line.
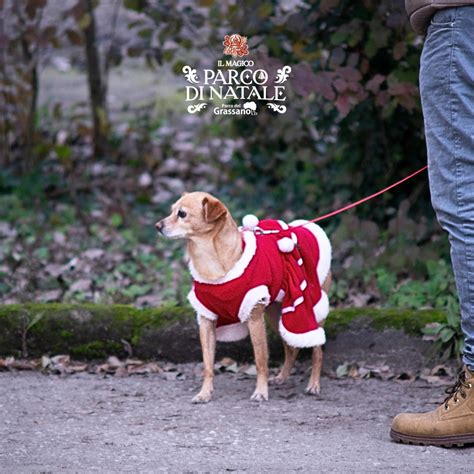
314,386
207,334
290,357
274,314
258,335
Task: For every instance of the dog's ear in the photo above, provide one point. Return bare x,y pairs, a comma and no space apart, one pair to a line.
212,209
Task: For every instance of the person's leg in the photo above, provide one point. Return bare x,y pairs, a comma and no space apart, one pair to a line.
447,93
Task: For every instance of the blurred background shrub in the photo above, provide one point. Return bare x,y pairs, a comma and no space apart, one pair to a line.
95,143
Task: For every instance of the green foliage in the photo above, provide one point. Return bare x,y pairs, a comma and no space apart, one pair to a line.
386,281
437,290
116,220
447,335
349,130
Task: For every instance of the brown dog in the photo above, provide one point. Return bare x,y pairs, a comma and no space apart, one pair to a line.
216,248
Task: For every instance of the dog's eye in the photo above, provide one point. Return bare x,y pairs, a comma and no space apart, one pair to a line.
181,214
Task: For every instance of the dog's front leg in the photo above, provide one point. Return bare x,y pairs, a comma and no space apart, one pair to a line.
207,334
258,335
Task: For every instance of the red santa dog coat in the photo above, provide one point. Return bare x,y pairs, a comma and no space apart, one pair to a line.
279,262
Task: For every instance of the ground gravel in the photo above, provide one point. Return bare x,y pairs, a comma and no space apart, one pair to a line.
88,423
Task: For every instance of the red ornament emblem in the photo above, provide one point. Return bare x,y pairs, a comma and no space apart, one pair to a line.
236,45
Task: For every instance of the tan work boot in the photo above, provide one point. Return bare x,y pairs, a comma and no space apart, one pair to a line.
450,424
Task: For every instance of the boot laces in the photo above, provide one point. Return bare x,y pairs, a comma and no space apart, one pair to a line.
458,389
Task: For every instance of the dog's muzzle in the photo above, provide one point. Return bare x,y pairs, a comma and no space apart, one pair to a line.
159,227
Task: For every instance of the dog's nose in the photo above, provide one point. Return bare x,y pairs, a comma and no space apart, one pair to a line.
159,227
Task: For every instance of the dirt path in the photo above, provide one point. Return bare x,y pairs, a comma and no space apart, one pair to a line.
86,423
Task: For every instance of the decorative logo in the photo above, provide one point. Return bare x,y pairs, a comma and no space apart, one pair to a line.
192,109
236,45
281,109
190,75
250,105
283,74
235,86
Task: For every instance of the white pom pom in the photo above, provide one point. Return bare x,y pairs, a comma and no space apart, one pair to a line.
286,245
250,222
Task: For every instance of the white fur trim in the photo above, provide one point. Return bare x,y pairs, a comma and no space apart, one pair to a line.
239,268
321,308
250,221
300,261
286,245
258,294
280,296
304,285
232,332
200,309
294,238
325,250
313,338
289,309
283,224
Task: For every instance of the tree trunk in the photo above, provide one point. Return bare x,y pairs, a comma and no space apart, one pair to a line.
29,136
97,84
4,149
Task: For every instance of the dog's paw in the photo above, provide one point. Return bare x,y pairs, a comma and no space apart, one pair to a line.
202,397
312,390
278,379
259,396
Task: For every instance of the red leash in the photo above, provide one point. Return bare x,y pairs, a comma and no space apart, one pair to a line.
354,204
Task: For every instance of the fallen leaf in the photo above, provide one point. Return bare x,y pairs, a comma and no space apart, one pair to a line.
93,254
77,367
45,362
153,367
170,376
342,370
114,362
20,364
354,371
252,370
62,359
224,363
234,368
364,373
121,372
405,377
437,380
102,368
442,370
83,284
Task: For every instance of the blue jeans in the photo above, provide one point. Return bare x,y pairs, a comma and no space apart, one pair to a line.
447,95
